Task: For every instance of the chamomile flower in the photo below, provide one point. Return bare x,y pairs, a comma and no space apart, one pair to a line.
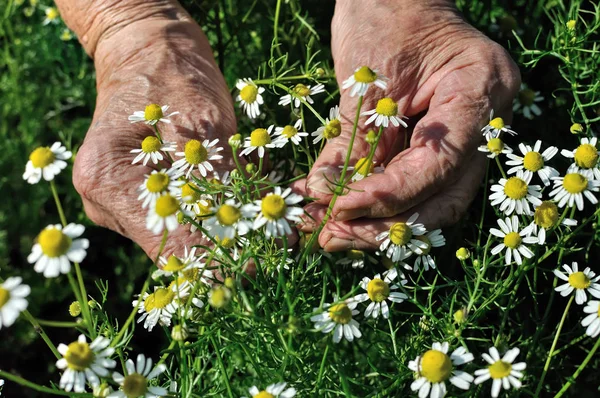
277,390
66,35
159,183
52,16
153,114
495,146
378,291
401,239
578,281
198,154
592,321
435,367
289,133
338,318
229,219
525,102
139,376
362,169
585,158
513,241
533,161
259,139
150,150
432,239
163,214
12,300
159,306
546,217
174,265
56,248
385,112
570,190
496,127
502,371
361,79
192,198
1,385
250,97
356,258
46,162
83,361
332,127
299,92
515,194
276,210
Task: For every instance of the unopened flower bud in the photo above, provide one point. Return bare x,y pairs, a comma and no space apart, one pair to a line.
371,137
576,128
219,297
571,24
179,333
229,283
320,72
75,309
460,316
235,140
250,168
463,253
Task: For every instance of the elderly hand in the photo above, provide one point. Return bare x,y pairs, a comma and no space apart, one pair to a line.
437,65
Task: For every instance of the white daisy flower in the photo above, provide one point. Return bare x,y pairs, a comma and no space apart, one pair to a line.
339,319
361,169
198,155
525,102
502,371
361,79
163,213
259,139
495,146
356,258
12,300
379,291
533,161
592,321
157,184
277,390
435,367
432,239
514,194
401,239
83,361
52,16
229,219
300,91
585,157
513,240
289,133
153,114
150,150
275,211
159,306
191,197
139,376
570,189
56,248
174,265
385,112
496,127
1,385
546,217
332,127
250,97
46,162
578,281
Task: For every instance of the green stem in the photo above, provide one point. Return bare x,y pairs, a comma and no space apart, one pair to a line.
38,328
322,367
276,26
222,366
37,387
500,166
61,213
579,370
84,304
59,324
510,301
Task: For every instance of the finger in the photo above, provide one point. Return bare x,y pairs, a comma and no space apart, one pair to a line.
313,215
299,187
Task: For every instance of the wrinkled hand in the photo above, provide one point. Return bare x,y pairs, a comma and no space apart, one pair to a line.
157,61
437,65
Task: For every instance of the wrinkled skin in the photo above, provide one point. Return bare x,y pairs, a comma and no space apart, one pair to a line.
440,68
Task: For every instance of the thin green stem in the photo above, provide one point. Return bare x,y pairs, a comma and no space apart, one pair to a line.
84,304
500,166
38,328
578,370
61,213
59,324
37,387
222,366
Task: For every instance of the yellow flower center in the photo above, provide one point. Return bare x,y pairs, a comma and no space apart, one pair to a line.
533,161
515,188
42,157
576,128
526,97
289,131
586,156
174,264
378,290
75,309
190,193
463,253
495,145
365,75
497,123
4,296
195,152
571,24
153,112
204,210
54,242
135,385
159,299
354,254
79,356
52,13
301,90
151,144
264,394
219,297
512,240
249,93
273,207
364,167
499,369
166,206
546,215
225,243
400,233
386,107
333,129
579,280
191,275
575,183
228,215
425,240
157,182
260,137
340,313
436,366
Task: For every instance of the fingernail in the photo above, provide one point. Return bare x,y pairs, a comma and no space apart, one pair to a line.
345,215
324,179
